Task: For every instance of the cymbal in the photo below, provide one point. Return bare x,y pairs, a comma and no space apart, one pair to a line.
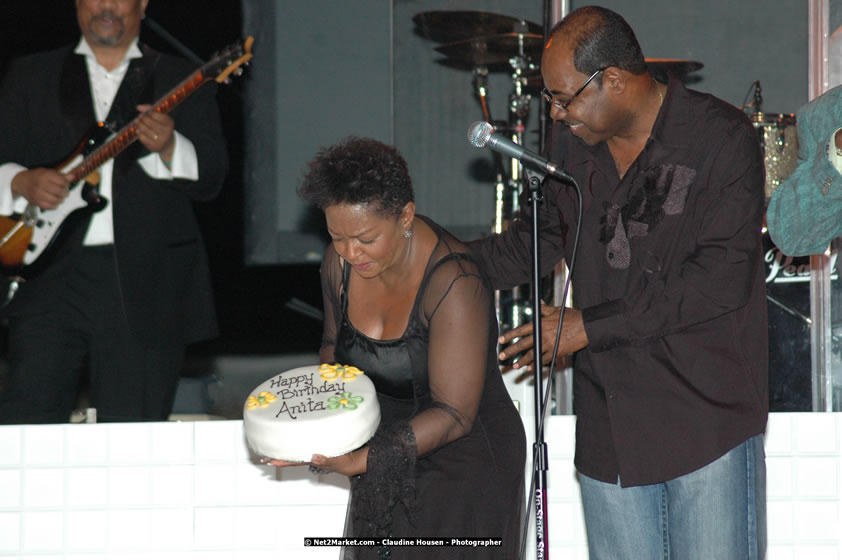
447,26
493,49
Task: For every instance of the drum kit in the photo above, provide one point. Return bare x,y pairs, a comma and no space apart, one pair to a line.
485,42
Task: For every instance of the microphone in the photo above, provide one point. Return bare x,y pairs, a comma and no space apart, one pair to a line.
482,133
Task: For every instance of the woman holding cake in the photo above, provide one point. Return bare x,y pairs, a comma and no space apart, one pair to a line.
405,303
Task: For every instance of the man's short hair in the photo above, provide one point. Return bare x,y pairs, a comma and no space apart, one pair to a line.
600,38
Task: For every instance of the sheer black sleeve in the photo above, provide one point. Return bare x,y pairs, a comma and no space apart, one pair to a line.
458,307
389,480
331,279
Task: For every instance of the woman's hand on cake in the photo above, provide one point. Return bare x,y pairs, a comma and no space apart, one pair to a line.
349,464
280,463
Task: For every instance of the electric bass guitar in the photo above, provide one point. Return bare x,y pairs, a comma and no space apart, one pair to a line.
26,238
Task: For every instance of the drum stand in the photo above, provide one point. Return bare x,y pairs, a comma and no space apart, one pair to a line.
511,304
506,311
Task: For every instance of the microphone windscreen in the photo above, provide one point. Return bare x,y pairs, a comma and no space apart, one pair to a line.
479,133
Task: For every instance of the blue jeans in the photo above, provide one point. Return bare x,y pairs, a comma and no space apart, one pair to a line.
717,512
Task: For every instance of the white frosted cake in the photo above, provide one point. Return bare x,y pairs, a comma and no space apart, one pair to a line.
325,409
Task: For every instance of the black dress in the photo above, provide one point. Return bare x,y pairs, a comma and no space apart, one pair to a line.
470,487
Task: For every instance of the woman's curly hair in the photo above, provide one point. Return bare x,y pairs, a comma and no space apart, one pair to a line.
358,171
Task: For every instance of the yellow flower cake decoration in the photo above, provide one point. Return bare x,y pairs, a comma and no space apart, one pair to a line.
263,399
332,372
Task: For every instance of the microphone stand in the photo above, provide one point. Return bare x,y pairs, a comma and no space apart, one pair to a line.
540,461
174,43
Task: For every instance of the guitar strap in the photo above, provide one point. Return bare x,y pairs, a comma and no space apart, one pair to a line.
138,87
77,106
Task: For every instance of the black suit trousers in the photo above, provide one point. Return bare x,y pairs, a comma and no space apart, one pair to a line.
77,336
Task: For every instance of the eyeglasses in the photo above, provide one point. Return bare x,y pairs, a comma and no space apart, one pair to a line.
548,97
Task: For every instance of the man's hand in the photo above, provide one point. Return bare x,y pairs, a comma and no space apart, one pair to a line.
155,131
573,337
839,139
45,188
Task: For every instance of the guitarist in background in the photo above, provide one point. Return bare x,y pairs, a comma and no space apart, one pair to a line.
126,288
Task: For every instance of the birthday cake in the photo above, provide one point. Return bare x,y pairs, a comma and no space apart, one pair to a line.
329,409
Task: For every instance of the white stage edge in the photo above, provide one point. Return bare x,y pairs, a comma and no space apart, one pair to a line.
191,490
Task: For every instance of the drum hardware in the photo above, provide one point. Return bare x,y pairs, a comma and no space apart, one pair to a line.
484,42
835,337
778,139
481,88
789,310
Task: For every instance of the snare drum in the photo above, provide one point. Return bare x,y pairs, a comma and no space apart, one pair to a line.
780,146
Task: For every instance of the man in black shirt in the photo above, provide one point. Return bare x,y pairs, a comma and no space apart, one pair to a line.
669,325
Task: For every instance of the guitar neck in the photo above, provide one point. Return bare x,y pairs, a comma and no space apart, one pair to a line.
124,137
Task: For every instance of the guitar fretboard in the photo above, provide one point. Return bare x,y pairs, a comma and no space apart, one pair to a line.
128,134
